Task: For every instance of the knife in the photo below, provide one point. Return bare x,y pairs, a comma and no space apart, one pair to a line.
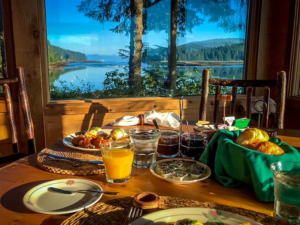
72,159
71,192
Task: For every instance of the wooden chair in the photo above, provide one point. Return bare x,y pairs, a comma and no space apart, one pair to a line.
249,85
23,98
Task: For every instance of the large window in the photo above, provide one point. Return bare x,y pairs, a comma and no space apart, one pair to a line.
114,49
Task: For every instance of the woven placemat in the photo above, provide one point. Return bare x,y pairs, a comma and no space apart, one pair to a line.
62,167
115,211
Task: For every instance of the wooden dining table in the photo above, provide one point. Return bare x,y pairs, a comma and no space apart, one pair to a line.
20,176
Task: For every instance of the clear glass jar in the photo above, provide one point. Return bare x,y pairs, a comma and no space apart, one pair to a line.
192,145
168,144
272,134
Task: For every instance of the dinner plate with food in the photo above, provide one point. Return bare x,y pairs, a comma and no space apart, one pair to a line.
193,216
91,140
180,171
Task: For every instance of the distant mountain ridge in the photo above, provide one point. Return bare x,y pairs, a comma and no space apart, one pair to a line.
229,49
57,54
213,43
97,57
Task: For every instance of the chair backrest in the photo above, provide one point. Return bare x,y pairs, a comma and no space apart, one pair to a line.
23,98
249,85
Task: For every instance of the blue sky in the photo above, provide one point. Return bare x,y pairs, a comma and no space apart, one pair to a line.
69,29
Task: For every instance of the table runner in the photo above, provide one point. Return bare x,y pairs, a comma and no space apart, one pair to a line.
115,211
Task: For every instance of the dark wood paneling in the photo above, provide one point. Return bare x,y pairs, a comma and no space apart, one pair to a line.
28,55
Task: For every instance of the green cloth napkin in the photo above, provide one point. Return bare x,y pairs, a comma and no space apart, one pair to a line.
236,166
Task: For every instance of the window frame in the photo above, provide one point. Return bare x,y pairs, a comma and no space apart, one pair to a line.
293,84
9,44
250,63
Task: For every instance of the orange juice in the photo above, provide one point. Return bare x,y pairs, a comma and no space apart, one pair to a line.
118,162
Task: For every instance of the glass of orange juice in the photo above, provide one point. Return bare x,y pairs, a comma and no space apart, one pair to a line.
117,158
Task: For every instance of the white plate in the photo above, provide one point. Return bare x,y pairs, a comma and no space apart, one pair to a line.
67,141
40,199
186,180
203,215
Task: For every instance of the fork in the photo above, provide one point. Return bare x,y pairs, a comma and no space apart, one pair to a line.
133,214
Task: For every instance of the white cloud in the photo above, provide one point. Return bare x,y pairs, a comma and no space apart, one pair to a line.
73,39
189,37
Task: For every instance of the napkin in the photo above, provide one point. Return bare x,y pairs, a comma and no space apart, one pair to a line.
162,119
236,166
126,121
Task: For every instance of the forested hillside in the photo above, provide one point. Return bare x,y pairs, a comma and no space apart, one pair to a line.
57,54
213,43
222,50
222,53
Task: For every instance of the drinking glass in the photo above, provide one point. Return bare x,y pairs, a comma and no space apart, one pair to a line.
168,144
287,190
192,145
145,143
117,158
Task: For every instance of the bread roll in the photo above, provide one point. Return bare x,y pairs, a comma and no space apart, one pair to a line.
266,147
252,136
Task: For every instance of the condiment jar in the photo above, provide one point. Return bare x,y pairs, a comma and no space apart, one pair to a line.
146,200
272,134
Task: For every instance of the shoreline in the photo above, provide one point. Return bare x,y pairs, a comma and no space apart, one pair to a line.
208,63
62,64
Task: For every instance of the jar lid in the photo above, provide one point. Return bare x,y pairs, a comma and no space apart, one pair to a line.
271,133
206,129
195,135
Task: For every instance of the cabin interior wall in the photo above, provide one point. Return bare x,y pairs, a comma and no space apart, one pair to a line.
273,37
28,55
53,121
274,49
5,140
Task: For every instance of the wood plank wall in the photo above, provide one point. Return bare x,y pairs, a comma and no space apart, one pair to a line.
292,112
5,136
274,50
273,36
28,55
5,140
64,119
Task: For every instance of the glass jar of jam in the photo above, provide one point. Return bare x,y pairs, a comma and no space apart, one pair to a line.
168,144
209,130
272,134
192,145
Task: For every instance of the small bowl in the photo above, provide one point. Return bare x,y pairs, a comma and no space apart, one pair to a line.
146,200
